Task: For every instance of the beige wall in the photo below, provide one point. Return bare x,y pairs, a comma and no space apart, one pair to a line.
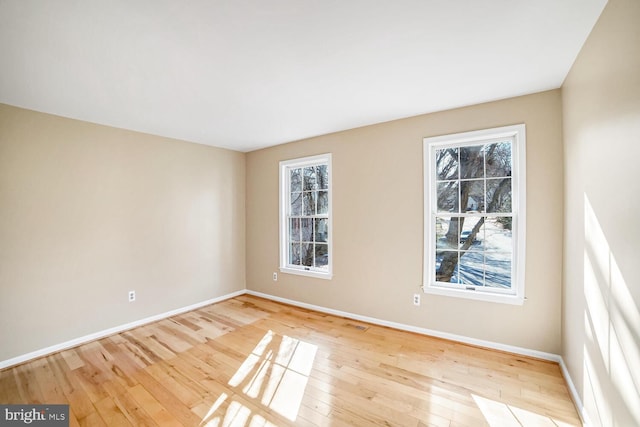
89,212
601,316
378,224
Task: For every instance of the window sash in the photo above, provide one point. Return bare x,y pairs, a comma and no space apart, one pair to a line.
473,251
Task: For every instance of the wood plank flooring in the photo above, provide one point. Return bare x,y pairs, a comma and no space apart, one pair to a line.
253,362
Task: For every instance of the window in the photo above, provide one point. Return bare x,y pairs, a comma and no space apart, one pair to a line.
305,216
474,185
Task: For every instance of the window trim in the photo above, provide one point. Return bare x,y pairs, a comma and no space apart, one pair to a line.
284,190
518,156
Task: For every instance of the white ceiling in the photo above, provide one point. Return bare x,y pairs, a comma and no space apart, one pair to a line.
246,74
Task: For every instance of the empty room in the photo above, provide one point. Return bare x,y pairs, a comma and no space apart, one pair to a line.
320,213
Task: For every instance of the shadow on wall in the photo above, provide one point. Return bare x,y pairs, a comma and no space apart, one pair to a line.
612,327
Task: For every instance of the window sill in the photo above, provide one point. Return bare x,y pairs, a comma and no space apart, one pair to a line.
308,273
475,295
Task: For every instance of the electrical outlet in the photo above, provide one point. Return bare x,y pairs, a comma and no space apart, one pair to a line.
275,276
416,299
132,296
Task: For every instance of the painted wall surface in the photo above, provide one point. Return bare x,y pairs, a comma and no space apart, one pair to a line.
89,212
378,224
601,303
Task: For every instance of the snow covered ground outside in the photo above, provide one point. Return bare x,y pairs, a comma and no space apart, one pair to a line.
487,262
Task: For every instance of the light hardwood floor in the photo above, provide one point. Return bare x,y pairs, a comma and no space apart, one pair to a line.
254,362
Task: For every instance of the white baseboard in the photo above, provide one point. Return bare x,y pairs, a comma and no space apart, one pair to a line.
117,329
430,332
574,394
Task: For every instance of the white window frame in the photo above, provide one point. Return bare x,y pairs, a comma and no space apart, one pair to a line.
285,203
515,295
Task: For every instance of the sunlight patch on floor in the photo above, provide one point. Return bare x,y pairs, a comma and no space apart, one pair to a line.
273,376
498,414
